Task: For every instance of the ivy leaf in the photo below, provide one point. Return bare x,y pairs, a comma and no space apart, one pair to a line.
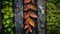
10,3
6,16
6,25
27,1
9,29
29,30
12,32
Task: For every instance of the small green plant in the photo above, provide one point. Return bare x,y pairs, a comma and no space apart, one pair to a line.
7,11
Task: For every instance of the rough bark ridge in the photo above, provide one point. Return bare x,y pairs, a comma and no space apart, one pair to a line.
29,8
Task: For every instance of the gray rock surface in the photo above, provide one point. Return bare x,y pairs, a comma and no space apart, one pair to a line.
18,16
41,16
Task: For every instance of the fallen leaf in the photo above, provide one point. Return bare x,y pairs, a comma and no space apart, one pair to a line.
27,32
29,6
32,1
30,30
32,14
27,20
27,1
26,15
26,26
31,22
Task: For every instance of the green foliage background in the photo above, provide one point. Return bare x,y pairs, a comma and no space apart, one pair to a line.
53,17
7,14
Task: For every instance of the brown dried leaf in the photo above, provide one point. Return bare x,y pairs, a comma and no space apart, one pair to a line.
29,6
32,14
30,29
30,21
26,26
27,20
27,32
27,1
32,1
26,15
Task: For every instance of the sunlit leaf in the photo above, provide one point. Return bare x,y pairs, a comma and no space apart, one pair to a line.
31,22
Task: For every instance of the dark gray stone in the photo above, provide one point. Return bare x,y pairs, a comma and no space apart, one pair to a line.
1,29
41,16
18,16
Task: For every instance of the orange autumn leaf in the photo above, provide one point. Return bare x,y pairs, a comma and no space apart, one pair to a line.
32,14
31,22
27,1
29,6
26,15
